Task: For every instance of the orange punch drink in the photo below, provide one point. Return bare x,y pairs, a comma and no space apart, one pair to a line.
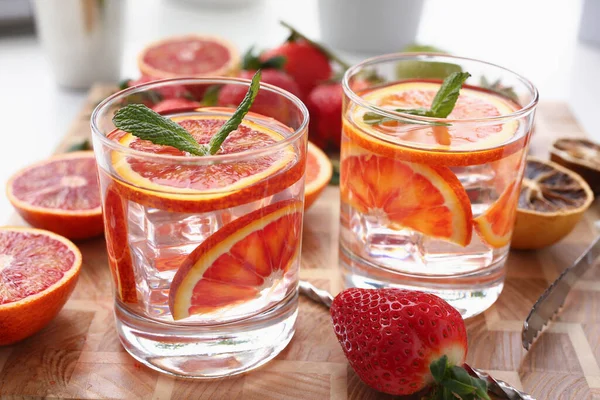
204,250
428,201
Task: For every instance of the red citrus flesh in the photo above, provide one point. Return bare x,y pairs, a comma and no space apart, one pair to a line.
318,174
38,272
200,187
189,56
238,261
60,194
495,225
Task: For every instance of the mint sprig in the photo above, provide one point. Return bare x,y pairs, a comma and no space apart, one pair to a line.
146,124
442,105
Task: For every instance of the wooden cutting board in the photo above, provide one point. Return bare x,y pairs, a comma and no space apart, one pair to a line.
79,355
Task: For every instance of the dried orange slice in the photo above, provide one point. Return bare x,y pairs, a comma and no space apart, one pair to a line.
427,199
318,174
454,145
38,272
192,188
495,225
60,194
581,156
552,200
238,261
189,56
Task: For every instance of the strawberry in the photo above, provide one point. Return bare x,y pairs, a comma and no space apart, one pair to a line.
172,105
401,342
324,104
167,92
304,62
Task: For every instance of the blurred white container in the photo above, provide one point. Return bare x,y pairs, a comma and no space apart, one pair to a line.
369,26
82,39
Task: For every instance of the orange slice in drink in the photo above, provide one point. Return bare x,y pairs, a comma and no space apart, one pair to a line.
119,255
60,194
192,186
38,272
427,199
495,225
238,261
318,174
454,145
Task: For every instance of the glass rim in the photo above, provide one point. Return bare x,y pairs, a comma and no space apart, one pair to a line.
208,80
428,56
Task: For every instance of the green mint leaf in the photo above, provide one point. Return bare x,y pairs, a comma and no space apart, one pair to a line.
146,124
459,388
445,99
438,368
371,118
211,96
236,119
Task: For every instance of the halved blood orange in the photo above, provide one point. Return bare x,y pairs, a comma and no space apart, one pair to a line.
196,187
427,199
238,261
60,194
38,272
318,174
495,225
455,145
189,56
119,255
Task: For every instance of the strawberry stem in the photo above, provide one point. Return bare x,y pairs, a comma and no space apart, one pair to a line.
295,35
452,382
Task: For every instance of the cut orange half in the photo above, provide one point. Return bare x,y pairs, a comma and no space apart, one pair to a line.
495,225
318,174
60,194
201,187
189,56
38,272
454,145
427,199
238,261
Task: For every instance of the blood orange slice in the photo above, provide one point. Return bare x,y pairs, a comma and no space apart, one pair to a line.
495,225
38,272
427,199
238,261
194,187
455,145
119,255
189,56
60,194
318,174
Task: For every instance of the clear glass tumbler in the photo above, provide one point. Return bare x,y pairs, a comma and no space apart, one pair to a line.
429,203
204,251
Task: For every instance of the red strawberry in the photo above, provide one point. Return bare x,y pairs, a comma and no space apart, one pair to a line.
266,103
325,107
396,340
305,63
173,105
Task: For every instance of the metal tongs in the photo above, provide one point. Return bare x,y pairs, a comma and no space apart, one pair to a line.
497,387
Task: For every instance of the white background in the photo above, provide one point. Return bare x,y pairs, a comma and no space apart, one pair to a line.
536,38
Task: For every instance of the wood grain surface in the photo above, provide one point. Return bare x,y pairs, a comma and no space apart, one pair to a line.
79,355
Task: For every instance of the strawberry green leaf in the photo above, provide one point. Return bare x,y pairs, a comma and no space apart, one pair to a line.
251,61
438,368
458,388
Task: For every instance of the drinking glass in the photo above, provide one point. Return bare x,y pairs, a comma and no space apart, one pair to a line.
204,251
429,203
